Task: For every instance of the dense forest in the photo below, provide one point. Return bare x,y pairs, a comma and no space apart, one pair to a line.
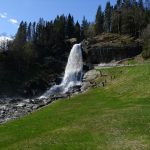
40,49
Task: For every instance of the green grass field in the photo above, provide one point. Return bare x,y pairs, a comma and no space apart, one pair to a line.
116,117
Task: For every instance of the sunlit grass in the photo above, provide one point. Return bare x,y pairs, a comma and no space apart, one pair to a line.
116,117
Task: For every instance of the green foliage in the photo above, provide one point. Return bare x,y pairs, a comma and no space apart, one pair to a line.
99,21
77,32
70,26
123,18
115,117
84,28
107,17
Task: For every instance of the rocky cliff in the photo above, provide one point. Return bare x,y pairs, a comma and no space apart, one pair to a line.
108,47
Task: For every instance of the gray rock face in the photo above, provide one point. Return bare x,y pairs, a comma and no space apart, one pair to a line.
85,86
107,47
91,75
89,79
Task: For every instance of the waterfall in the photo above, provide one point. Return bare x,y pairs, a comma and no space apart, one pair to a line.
73,73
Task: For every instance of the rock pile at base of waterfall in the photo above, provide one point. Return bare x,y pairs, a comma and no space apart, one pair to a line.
15,108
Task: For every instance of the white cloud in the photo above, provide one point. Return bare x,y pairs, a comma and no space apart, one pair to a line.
13,21
3,15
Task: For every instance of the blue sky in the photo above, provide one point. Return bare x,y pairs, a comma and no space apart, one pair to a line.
12,12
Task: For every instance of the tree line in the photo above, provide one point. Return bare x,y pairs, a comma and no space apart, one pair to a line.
125,17
36,40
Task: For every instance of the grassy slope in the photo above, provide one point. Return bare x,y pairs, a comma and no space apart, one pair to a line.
116,117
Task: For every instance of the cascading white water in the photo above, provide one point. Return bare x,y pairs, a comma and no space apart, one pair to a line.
73,73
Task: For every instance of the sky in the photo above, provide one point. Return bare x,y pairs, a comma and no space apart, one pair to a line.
12,12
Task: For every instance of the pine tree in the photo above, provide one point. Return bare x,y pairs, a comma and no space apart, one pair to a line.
99,21
33,32
70,26
59,29
116,20
141,5
84,28
21,35
29,32
134,3
119,4
107,17
77,31
126,3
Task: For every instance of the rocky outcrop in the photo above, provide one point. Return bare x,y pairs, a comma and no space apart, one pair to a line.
89,80
108,47
11,109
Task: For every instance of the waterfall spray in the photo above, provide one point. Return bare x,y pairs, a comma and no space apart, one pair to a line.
73,73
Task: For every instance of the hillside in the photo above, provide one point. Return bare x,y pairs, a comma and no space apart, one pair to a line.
116,117
109,47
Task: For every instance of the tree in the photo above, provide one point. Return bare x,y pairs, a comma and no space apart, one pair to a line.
107,17
70,26
29,32
116,20
99,21
21,35
59,29
77,31
128,25
119,4
134,3
127,3
141,5
84,28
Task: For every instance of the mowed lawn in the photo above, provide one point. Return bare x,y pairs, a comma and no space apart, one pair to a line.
116,117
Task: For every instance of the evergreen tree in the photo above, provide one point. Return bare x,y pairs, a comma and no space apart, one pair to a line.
59,27
21,35
119,4
77,31
84,28
99,21
127,25
107,17
116,20
70,26
33,32
134,3
141,5
29,32
126,3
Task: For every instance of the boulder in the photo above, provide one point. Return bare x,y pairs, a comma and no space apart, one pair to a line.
21,105
85,86
91,75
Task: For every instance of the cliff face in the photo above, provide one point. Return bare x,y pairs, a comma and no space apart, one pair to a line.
109,47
